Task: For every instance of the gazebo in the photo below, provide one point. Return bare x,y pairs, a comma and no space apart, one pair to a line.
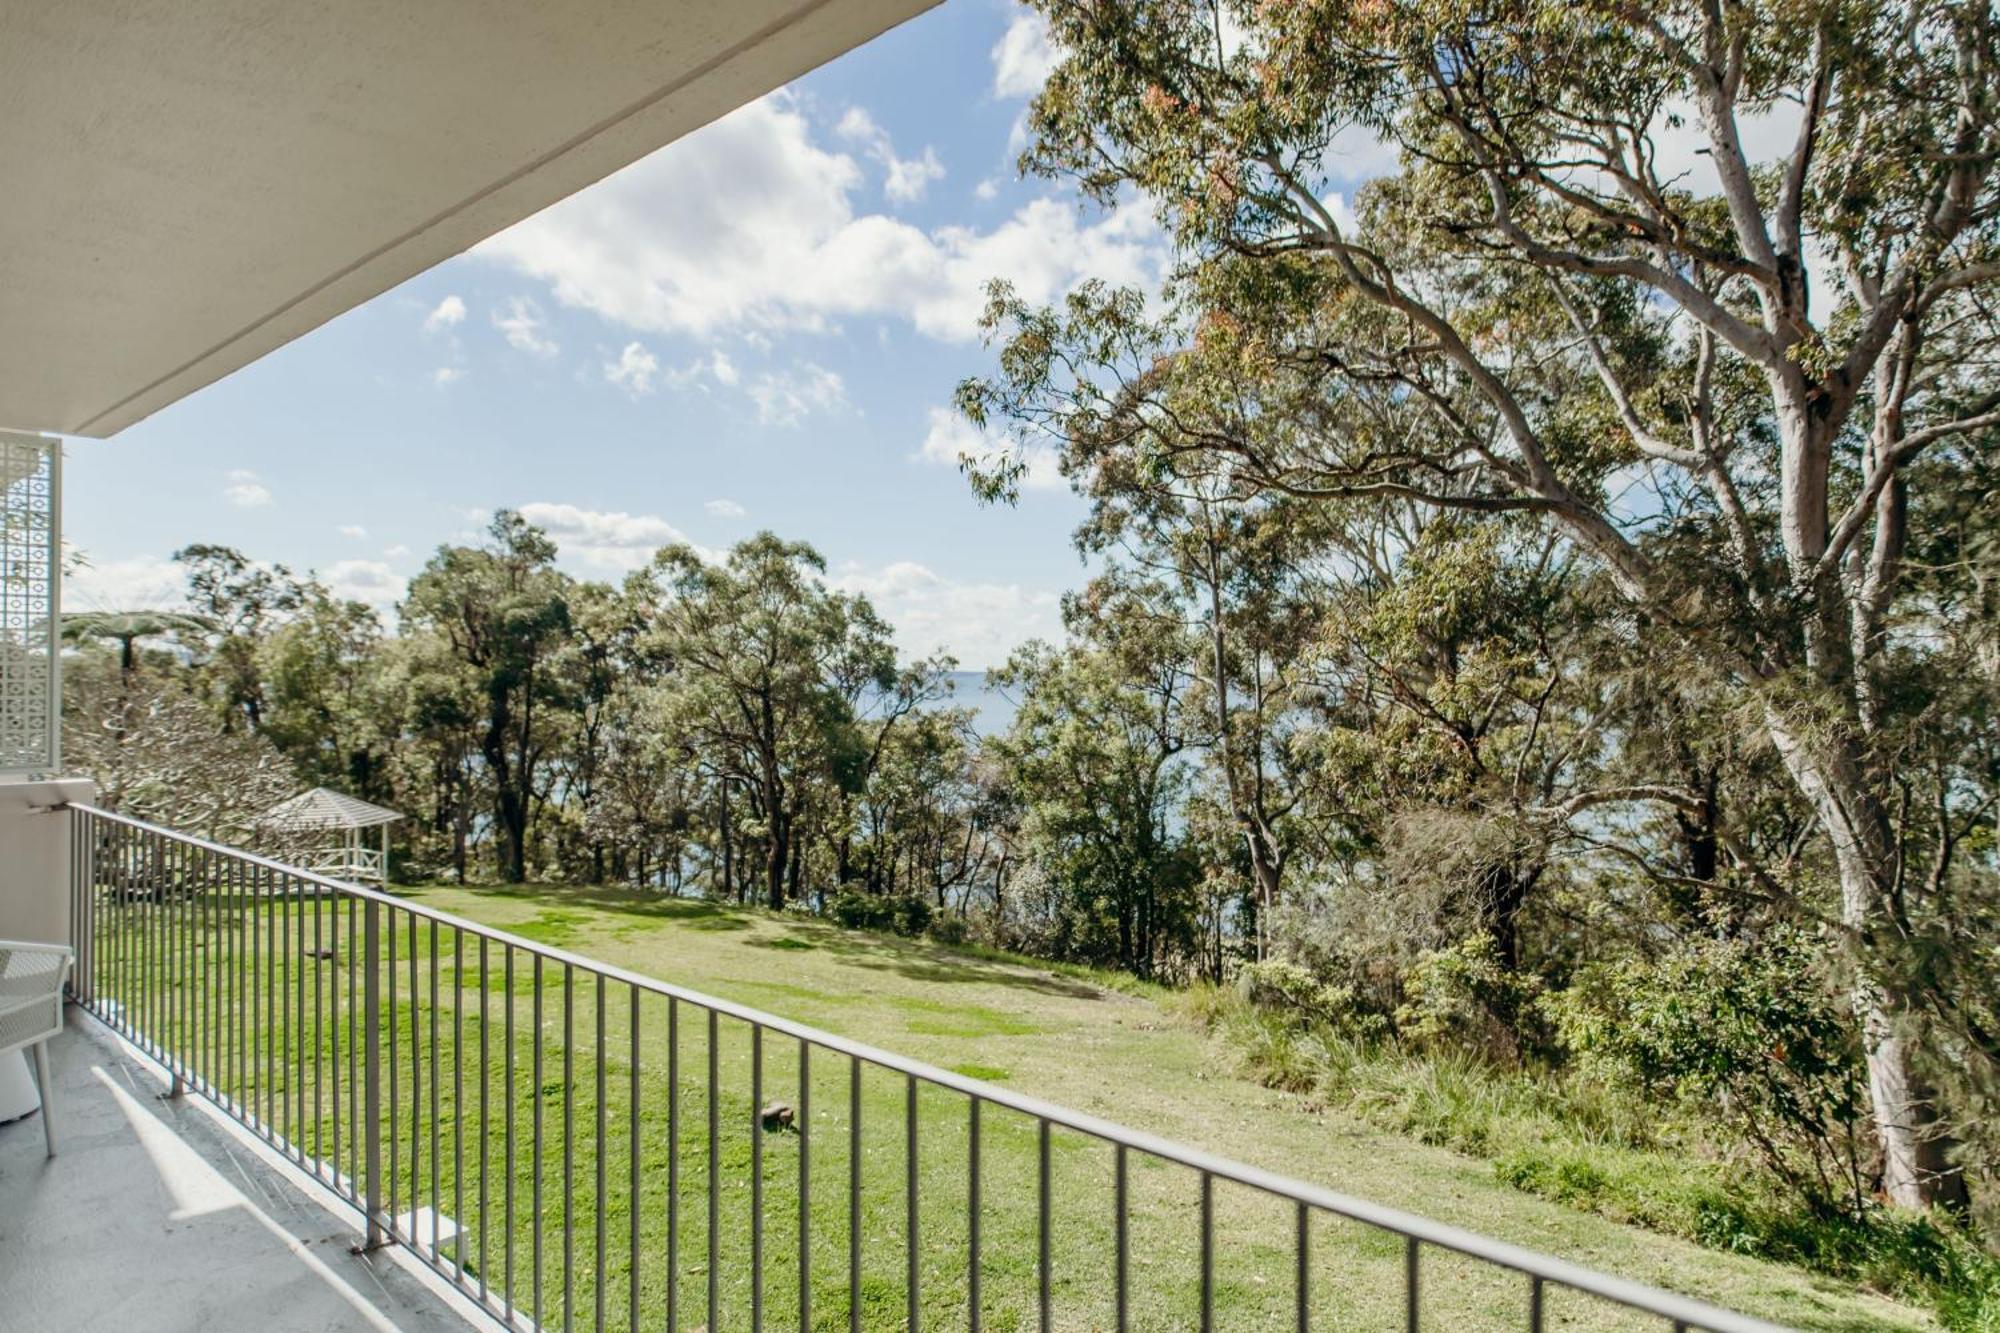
345,854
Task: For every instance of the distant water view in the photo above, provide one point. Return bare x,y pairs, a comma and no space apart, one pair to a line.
992,709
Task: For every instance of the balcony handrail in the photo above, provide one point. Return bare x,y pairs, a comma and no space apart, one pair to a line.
1683,1312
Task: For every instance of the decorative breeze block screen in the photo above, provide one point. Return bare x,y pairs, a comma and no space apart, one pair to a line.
30,568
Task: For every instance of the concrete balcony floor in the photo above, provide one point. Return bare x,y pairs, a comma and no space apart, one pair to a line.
160,1215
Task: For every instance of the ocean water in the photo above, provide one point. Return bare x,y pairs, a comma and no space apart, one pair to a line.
992,710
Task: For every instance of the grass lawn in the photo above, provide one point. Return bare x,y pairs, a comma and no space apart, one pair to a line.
1090,1043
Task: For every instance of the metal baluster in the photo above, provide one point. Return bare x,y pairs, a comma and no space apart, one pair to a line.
416,1091
1122,1203
319,1027
535,1163
508,1099
1043,1206
162,947
1207,1253
854,1194
1534,1304
395,1100
673,1163
913,1256
333,1014
239,990
1412,1271
151,971
599,1153
320,973
267,1054
569,1145
437,1191
287,962
1302,1267
127,934
714,1171
194,970
371,1017
204,1045
974,1313
805,1186
277,1088
485,1129
353,1074
756,1178
633,1200
458,1099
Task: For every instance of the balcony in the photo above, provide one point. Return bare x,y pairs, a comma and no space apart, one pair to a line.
159,1214
542,1140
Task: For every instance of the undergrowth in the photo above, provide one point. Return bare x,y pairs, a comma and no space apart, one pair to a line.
1589,1145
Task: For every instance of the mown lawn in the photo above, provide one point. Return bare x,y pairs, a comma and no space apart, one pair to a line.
1090,1043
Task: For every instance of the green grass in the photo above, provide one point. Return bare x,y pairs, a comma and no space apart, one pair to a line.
1101,1045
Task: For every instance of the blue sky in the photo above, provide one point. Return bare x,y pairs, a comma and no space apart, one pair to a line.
757,327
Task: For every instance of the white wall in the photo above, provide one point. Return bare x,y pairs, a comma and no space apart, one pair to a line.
34,858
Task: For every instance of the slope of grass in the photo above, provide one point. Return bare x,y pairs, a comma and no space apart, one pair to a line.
1114,1048
531,1101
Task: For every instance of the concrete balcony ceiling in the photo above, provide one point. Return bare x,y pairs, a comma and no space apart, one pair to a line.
189,184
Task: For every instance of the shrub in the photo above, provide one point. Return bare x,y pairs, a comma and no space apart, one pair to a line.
950,928
1289,989
1746,1034
1462,998
904,914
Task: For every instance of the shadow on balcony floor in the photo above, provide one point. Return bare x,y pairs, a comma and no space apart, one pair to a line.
156,1216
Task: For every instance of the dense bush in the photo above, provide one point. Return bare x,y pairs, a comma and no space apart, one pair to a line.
904,914
1658,1150
1463,998
1747,1035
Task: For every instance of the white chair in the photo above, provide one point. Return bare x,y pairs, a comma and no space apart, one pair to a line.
31,1012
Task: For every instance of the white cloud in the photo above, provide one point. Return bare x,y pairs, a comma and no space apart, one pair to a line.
354,530
749,227
143,583
446,314
907,177
1023,58
722,368
1681,153
634,369
1358,154
980,624
987,190
521,320
444,375
396,552
951,440
787,398
725,509
607,540
368,581
245,491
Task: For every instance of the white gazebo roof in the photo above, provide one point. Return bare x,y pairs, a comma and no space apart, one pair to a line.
322,808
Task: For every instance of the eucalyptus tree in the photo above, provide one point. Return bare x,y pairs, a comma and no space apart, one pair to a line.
324,698
1188,541
1097,755
604,665
1589,273
503,612
763,667
242,602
